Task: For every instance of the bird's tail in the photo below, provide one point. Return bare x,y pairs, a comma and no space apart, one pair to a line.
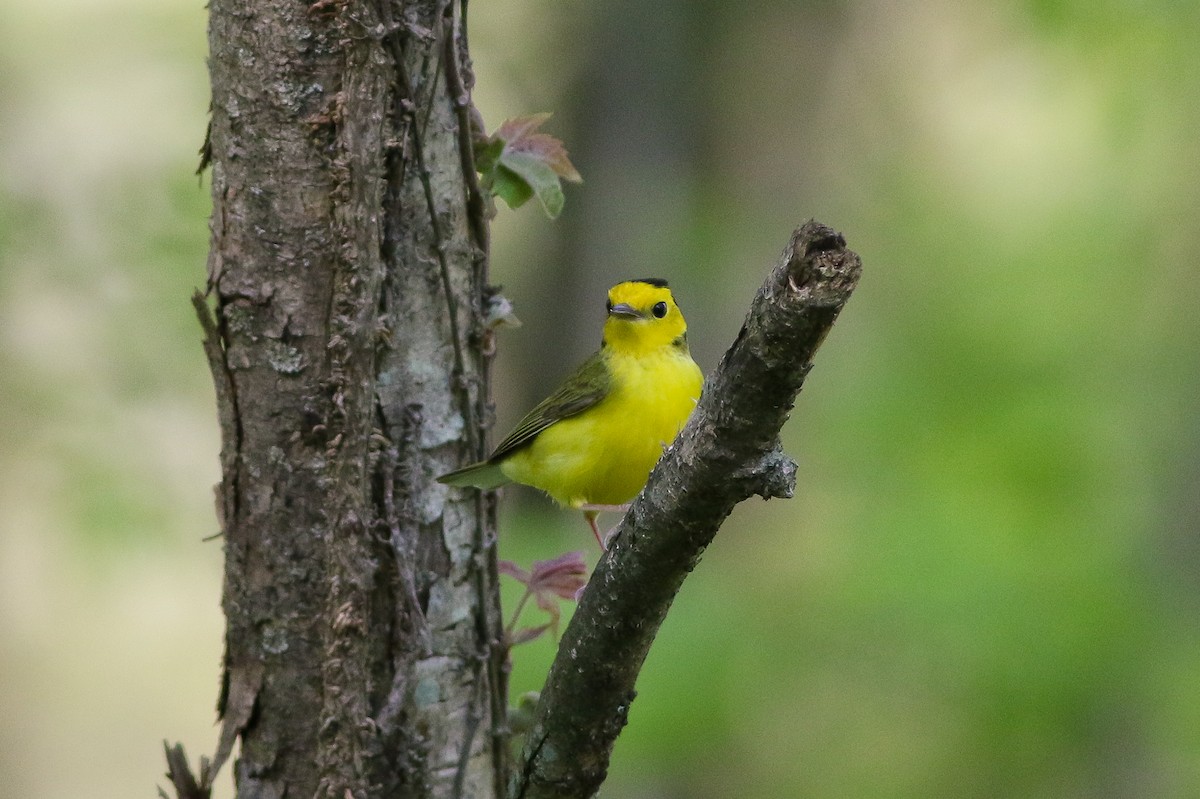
479,475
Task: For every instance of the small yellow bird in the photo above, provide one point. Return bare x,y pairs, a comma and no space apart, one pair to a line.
592,443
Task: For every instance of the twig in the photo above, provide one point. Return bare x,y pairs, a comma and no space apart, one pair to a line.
182,780
728,451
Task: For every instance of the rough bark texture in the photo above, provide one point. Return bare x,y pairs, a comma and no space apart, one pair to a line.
347,281
728,451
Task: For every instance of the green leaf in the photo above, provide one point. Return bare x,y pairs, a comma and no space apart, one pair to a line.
487,155
508,186
539,176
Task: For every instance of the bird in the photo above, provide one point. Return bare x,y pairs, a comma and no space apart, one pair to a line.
591,444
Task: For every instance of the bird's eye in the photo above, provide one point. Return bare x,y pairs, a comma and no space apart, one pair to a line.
608,306
659,310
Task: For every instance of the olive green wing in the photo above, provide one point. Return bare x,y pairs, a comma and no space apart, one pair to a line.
583,389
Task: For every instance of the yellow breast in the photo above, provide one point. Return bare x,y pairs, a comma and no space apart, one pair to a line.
603,455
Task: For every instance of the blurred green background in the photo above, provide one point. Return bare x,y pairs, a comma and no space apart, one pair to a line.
989,581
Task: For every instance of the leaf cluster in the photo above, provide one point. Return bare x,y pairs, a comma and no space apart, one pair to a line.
518,162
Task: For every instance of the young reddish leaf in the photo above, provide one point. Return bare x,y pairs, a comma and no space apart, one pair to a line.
548,581
562,576
520,136
528,634
510,569
517,162
557,579
519,127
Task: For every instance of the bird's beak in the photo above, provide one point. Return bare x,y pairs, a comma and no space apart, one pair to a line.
624,310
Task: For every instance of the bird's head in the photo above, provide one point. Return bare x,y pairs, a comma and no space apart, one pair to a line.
643,317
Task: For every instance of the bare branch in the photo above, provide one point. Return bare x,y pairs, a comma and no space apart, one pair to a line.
180,774
728,451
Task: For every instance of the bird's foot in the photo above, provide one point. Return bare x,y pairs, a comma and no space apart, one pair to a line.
590,512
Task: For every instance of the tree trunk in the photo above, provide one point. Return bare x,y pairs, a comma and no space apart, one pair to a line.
347,282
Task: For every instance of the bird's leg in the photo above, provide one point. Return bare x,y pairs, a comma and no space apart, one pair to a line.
590,516
590,512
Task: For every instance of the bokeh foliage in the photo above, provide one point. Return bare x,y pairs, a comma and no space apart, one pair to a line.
987,584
